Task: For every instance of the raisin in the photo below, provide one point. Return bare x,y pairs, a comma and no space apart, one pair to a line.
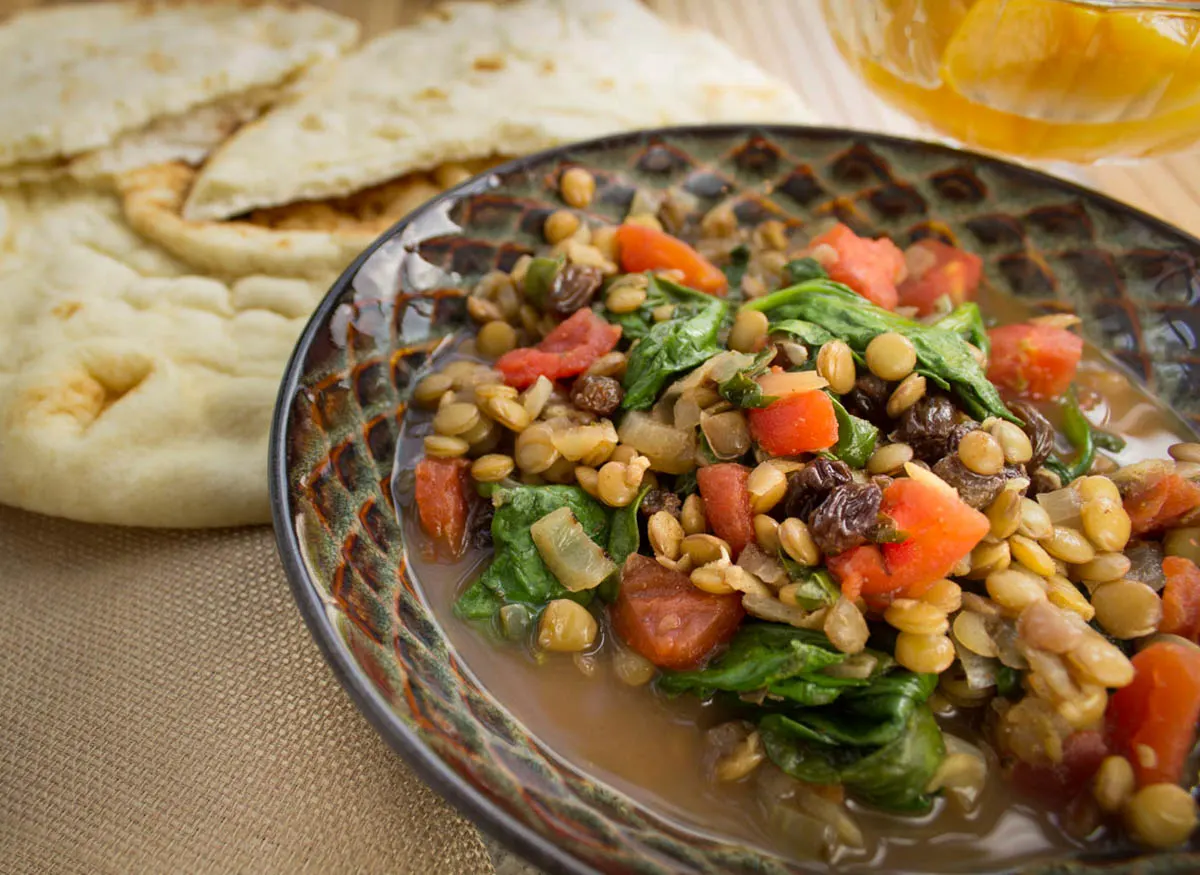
600,395
846,518
926,426
868,399
977,490
1038,429
808,487
573,289
661,499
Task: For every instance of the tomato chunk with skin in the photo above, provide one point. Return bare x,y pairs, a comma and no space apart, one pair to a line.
662,616
645,248
801,423
1153,720
1058,783
727,503
1035,361
870,267
567,351
1159,501
442,502
936,270
1181,598
941,529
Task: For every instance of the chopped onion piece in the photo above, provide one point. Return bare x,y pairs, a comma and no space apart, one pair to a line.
780,384
775,611
687,411
924,475
1145,564
575,559
1063,507
762,565
669,449
859,666
728,434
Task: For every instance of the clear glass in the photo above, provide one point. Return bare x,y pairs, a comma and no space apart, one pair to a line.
1042,79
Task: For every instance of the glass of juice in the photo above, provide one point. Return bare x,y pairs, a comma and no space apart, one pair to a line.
1061,80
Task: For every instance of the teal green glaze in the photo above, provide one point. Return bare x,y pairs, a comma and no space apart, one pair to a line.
1133,279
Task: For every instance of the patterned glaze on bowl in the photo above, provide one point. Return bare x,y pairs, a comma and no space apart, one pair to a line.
1056,246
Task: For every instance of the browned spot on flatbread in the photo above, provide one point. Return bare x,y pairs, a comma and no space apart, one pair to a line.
486,63
66,309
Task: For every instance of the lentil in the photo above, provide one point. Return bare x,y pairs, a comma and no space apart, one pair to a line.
1113,784
1047,627
945,595
1062,593
909,392
766,533
980,453
577,187
917,617
445,447
534,450
692,515
535,397
1127,608
1093,487
924,653
1161,815
1014,589
797,541
835,363
631,668
431,388
1185,452
1097,661
665,533
710,580
749,331
1004,513
1013,441
566,627
987,558
767,485
1032,555
703,549
560,225
588,479
745,757
611,364
625,298
614,486
845,627
492,468
483,310
889,458
1105,567
1069,545
891,356
1035,522
1106,523
971,631
509,413
495,339
455,418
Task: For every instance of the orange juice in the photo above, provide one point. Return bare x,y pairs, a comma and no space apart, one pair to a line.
1040,78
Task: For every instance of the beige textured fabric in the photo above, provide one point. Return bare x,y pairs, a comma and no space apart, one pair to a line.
164,710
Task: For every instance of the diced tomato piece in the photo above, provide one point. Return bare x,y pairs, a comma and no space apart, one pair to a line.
1036,361
1181,598
1058,783
870,267
662,616
802,423
936,269
567,351
1153,720
727,503
1160,500
645,248
442,501
941,529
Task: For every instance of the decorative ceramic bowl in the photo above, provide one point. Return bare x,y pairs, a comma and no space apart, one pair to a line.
1054,245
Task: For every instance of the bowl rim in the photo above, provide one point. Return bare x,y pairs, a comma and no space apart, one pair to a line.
433,771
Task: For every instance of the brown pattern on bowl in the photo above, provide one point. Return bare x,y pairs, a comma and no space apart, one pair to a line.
1133,279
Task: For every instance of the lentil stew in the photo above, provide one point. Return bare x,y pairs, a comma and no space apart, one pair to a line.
817,543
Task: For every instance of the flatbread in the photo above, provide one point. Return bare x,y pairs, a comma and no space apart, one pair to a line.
477,79
305,239
74,78
132,390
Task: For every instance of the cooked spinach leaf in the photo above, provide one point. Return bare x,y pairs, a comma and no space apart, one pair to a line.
739,260
670,348
517,574
637,324
881,742
966,321
742,389
856,437
760,655
802,270
817,588
942,356
812,336
624,538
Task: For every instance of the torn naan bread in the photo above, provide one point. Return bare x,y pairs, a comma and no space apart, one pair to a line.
305,239
132,390
93,89
478,79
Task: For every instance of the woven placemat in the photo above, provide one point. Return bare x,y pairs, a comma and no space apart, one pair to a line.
163,709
